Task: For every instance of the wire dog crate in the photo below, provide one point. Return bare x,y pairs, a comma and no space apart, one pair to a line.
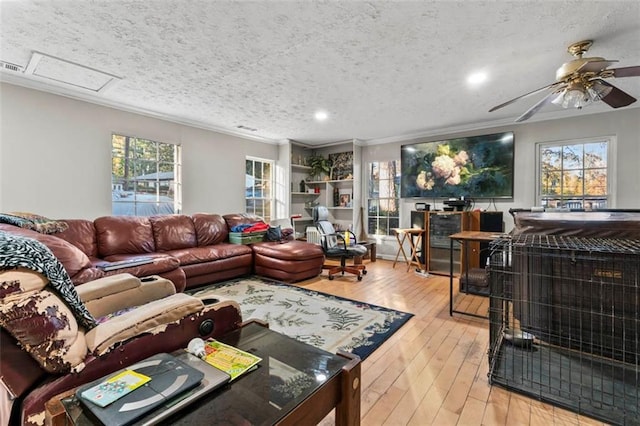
564,323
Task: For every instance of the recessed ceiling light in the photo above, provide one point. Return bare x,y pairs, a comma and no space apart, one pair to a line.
477,78
321,115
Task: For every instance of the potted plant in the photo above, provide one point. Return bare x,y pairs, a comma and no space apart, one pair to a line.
319,165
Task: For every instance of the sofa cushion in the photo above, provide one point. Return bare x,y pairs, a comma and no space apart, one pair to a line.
82,234
172,232
72,258
124,235
292,251
140,320
110,294
210,228
40,321
209,253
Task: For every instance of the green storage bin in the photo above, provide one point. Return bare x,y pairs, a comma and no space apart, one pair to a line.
246,237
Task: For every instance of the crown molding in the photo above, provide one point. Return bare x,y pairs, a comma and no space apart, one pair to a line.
96,100
30,83
505,122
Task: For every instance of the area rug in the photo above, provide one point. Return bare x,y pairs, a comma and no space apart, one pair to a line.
319,319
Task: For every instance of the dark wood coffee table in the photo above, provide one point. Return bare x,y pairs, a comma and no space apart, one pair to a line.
295,384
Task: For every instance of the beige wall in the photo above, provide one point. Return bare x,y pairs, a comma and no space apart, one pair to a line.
55,156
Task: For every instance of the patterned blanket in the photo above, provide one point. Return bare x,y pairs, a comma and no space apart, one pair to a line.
22,252
35,222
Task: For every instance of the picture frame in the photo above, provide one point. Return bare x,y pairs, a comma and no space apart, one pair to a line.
345,200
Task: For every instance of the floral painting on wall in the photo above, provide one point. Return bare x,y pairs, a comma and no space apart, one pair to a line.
474,167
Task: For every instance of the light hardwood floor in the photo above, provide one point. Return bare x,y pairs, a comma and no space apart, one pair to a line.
433,371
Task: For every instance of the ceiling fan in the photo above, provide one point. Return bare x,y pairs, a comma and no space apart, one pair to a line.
580,82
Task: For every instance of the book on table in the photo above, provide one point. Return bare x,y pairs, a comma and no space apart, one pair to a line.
229,359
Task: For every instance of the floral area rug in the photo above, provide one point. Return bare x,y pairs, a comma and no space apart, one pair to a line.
319,319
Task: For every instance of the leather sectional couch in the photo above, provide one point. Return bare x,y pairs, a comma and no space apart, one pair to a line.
188,250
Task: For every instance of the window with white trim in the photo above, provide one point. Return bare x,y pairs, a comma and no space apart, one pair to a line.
145,177
574,174
258,187
383,200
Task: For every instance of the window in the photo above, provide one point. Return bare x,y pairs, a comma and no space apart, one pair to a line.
383,200
259,181
145,177
574,174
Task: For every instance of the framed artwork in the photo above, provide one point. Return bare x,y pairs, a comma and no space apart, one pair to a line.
341,165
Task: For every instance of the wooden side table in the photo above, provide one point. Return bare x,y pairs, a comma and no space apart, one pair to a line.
402,234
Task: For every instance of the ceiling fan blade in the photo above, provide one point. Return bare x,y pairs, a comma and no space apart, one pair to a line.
595,66
626,72
544,101
616,98
525,95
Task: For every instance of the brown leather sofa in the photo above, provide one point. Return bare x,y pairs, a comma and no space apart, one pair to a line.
188,250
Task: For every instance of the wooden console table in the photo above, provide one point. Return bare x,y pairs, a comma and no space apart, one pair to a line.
328,382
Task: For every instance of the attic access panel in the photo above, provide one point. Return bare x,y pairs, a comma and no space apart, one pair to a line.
67,72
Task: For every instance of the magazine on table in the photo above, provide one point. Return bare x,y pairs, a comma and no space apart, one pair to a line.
230,359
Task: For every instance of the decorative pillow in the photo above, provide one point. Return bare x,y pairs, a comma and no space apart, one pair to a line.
34,222
40,321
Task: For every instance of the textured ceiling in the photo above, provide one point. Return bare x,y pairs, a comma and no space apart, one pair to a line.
380,69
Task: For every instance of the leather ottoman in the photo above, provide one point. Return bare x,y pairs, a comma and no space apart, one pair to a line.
289,261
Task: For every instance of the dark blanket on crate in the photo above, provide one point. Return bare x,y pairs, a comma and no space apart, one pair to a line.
22,252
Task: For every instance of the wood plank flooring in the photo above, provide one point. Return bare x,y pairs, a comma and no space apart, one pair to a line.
433,371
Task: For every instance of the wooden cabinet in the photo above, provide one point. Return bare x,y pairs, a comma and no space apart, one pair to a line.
487,222
436,244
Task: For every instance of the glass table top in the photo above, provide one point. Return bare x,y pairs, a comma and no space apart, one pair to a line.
290,371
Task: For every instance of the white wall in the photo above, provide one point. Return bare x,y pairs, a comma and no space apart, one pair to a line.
624,124
55,157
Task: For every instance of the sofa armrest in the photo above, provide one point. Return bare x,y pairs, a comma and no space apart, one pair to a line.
116,292
106,286
149,318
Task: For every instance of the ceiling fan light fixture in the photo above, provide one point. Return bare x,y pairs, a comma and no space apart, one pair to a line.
598,91
574,96
581,82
